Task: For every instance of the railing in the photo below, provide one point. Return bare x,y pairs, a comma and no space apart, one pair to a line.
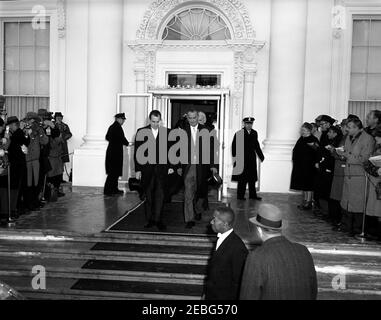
19,105
361,108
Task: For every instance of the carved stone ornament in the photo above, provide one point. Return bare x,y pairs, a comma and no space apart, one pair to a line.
61,14
234,10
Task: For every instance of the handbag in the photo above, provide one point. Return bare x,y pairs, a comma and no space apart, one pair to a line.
136,185
371,169
50,193
215,181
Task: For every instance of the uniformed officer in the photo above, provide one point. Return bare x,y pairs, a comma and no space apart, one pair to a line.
114,155
65,134
245,149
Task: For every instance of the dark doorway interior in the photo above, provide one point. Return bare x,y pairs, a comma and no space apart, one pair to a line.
180,107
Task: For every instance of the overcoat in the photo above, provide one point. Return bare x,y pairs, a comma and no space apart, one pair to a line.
373,207
114,154
304,158
38,138
279,270
66,135
248,152
357,151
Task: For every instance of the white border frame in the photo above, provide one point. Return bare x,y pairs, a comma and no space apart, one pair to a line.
23,10
342,55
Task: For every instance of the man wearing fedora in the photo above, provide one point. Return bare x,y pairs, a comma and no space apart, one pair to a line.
18,147
114,155
228,259
279,269
65,134
38,140
245,149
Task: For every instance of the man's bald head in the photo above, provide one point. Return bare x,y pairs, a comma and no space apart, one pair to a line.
223,219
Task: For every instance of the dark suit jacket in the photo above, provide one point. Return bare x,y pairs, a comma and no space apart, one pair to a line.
225,269
248,152
160,155
279,270
114,154
202,168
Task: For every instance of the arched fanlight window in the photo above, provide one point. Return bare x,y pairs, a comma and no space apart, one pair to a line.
196,24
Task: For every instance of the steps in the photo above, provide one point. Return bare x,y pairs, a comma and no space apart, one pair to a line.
156,266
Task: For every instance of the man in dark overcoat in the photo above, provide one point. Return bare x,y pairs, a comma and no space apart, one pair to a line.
245,149
114,155
65,134
198,168
152,167
228,259
18,147
279,269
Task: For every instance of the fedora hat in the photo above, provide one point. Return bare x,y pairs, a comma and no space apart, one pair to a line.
32,115
12,119
269,217
121,116
58,114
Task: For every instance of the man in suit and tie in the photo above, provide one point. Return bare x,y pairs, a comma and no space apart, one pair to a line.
198,168
228,259
152,167
279,269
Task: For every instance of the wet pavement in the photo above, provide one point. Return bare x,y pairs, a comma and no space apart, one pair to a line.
87,211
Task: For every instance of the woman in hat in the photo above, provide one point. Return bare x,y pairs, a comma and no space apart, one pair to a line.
305,157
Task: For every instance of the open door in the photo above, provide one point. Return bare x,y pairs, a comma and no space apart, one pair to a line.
136,107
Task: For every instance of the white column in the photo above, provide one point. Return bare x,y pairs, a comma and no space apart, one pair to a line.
286,91
140,106
248,93
104,76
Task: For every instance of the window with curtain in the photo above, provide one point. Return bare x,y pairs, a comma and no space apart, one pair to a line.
196,24
25,67
365,90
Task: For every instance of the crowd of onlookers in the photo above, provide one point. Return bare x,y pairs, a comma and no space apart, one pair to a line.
336,164
33,152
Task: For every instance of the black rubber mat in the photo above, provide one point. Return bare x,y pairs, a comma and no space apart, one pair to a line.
172,217
139,287
145,266
107,246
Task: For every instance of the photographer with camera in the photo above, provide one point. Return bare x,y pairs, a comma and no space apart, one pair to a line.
38,139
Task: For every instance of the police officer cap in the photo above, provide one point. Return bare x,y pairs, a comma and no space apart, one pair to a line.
328,119
248,120
120,116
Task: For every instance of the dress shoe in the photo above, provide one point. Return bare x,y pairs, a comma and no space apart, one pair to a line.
190,225
198,216
150,224
161,226
119,191
241,198
60,194
256,198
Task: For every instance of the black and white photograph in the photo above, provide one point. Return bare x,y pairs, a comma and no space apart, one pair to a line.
189,155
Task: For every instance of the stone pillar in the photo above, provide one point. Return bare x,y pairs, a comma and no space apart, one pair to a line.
248,92
104,82
286,91
140,106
